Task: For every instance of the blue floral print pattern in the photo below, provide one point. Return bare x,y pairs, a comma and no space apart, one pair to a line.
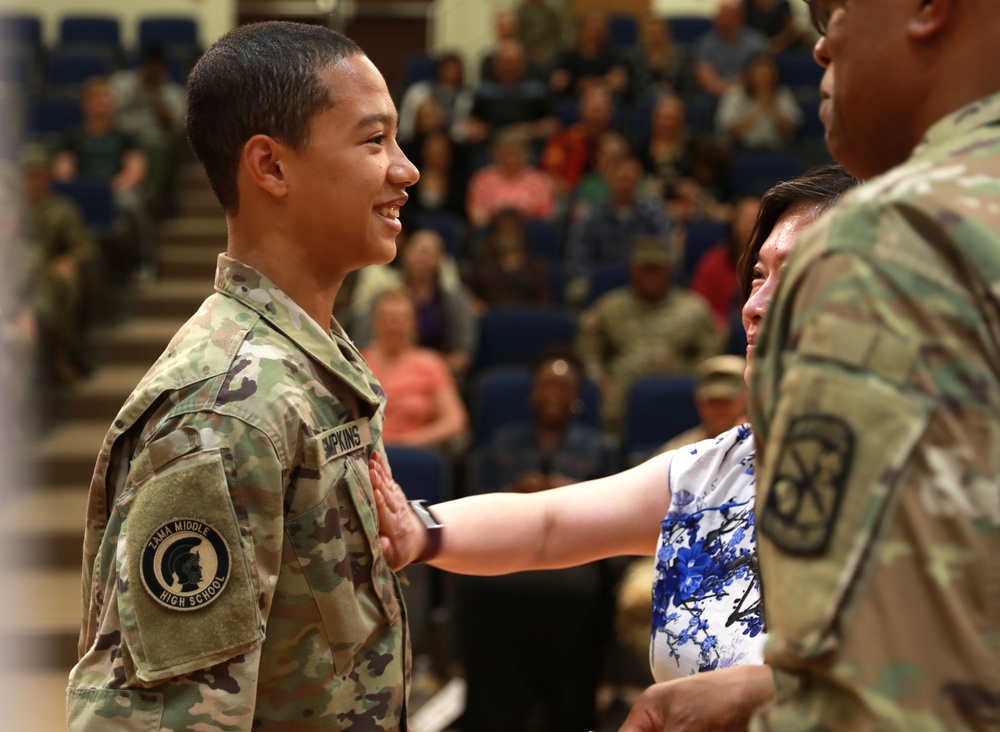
706,593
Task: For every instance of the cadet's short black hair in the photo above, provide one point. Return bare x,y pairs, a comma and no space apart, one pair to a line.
822,187
261,78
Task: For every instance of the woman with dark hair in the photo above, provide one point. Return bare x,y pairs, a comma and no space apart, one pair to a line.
698,501
759,112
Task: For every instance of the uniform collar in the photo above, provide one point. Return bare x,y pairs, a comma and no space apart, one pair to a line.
332,348
982,112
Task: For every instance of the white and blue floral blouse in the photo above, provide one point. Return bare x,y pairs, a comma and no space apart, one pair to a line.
706,593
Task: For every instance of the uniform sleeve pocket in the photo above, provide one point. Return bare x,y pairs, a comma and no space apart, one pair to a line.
840,444
337,547
185,588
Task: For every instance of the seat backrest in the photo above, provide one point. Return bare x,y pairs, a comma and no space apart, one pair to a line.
94,197
606,278
687,29
51,116
22,28
90,30
698,239
72,68
623,30
168,31
754,172
657,409
510,336
420,472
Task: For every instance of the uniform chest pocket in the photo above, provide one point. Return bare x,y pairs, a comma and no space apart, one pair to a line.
336,544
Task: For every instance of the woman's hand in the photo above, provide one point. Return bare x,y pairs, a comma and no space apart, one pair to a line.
401,535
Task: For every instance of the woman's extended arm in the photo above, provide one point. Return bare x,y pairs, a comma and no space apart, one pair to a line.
498,533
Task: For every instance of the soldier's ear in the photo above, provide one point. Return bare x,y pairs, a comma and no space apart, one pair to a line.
928,18
262,161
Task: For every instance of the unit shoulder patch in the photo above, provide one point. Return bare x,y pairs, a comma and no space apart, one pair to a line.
811,475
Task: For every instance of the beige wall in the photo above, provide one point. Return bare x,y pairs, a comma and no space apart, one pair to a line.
214,17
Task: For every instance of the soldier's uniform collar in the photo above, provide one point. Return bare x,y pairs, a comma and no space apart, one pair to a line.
980,113
330,348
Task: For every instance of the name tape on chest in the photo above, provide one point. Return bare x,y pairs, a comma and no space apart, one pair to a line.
342,440
185,564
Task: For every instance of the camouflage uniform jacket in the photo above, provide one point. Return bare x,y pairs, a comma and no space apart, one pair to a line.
877,399
233,578
623,338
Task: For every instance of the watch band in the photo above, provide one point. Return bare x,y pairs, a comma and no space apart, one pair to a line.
434,531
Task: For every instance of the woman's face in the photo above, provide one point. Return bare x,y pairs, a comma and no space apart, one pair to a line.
395,323
767,269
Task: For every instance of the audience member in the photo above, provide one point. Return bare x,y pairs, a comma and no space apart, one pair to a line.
510,182
759,112
506,27
445,321
591,61
657,65
512,98
423,407
503,620
150,106
602,236
570,152
100,151
539,29
502,272
703,196
722,54
667,156
646,328
447,88
69,266
715,275
775,20
595,187
441,188
720,398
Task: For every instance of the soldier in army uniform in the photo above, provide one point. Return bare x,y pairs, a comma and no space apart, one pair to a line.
876,392
646,328
233,578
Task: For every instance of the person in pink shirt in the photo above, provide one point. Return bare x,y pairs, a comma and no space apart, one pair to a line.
510,182
423,407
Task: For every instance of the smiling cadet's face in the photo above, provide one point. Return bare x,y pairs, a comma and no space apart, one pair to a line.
347,184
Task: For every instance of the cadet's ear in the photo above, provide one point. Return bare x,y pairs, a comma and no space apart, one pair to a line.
928,18
262,162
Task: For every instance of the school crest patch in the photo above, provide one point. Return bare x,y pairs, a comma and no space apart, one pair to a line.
185,564
810,478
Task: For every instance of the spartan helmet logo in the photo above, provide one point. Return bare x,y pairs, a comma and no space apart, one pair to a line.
185,564
181,560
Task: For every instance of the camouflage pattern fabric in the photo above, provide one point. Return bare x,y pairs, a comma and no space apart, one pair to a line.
623,339
233,578
876,398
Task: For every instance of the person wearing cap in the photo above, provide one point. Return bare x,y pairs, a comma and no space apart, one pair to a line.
720,397
646,328
691,509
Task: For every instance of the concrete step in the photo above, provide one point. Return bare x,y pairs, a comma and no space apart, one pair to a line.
101,396
33,700
44,529
183,261
198,201
42,618
194,230
176,299
67,455
140,341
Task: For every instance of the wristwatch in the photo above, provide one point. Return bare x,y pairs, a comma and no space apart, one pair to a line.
435,529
